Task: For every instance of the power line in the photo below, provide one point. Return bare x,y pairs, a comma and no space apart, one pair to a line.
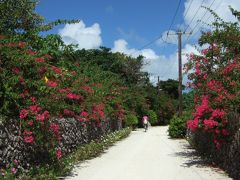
193,35
161,36
154,40
194,16
203,15
174,16
187,9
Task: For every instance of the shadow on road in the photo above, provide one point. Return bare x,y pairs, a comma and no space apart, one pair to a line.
192,159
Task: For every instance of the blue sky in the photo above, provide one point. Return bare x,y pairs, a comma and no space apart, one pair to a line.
139,22
128,25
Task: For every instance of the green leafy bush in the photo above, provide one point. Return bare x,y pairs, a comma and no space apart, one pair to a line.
177,127
152,117
131,120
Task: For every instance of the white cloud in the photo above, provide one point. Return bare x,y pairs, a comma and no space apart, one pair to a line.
84,37
122,46
168,37
157,65
202,18
221,7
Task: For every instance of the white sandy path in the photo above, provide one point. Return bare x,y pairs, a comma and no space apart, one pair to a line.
147,156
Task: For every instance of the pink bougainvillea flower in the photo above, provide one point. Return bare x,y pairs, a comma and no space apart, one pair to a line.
28,139
33,99
225,132
55,128
205,51
35,108
69,113
14,170
40,117
74,96
88,89
84,114
210,123
59,153
40,60
31,52
30,123
21,80
23,113
65,90
56,70
16,70
218,113
51,84
46,114
192,124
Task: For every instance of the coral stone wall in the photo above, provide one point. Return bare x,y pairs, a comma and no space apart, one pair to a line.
74,133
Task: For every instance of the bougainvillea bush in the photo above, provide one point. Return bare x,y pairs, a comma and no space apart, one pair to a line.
37,92
216,80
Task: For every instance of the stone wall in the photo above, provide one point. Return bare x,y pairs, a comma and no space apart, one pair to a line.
74,133
228,157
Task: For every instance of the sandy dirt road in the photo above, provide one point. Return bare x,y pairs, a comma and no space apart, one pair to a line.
147,156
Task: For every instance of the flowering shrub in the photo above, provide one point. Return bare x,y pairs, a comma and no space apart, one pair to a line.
215,78
38,93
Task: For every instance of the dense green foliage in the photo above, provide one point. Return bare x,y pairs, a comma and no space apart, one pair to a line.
178,127
152,117
131,120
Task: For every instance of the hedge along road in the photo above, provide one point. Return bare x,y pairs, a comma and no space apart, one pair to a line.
147,156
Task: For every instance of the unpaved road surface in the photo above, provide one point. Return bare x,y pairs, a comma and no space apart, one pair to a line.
147,156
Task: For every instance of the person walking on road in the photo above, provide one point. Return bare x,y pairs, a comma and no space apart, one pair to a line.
145,122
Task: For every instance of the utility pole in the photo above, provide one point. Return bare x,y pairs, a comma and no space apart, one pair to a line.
180,98
158,85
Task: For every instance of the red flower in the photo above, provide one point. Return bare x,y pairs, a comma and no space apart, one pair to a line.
56,70
35,108
40,60
55,128
31,52
84,114
46,114
204,51
29,139
51,84
58,153
30,123
21,80
73,96
65,90
14,170
210,123
43,116
68,113
40,117
23,113
16,70
218,113
225,132
22,44
192,124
